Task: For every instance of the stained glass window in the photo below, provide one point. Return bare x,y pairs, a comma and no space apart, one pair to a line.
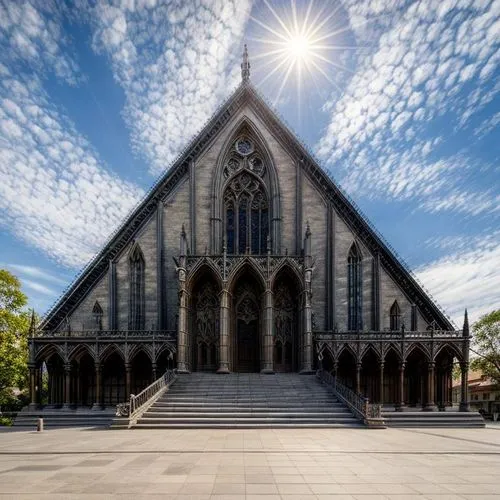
137,302
247,229
354,289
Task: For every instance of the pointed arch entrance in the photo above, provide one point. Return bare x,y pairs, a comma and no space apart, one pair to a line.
246,323
204,314
286,292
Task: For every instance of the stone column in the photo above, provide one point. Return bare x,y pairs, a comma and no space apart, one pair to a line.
224,331
381,389
307,366
32,405
128,370
182,336
153,371
97,400
268,323
401,386
67,386
464,396
431,404
358,378
449,386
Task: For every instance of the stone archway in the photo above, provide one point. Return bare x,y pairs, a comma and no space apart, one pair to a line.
286,324
246,322
204,319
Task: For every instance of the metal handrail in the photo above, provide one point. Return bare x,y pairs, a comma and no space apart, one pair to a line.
139,403
359,405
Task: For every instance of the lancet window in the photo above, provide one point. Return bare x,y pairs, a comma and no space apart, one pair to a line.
246,207
97,314
395,316
137,289
354,279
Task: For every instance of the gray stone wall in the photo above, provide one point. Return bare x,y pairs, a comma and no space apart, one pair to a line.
175,214
390,292
314,212
146,238
82,318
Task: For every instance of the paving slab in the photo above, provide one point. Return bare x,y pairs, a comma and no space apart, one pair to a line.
235,464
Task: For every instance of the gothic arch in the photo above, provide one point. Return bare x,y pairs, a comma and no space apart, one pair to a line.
288,267
395,317
417,346
225,170
165,346
137,278
349,350
286,290
453,348
109,350
138,348
47,351
80,350
240,268
203,266
354,288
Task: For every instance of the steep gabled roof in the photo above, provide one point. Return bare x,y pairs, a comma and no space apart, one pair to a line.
244,94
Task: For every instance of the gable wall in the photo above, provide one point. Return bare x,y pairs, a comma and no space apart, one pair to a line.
82,318
314,212
175,213
146,238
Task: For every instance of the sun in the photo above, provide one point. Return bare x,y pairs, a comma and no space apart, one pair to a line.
299,47
301,42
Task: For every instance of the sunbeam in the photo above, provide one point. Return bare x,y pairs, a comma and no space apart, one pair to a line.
297,44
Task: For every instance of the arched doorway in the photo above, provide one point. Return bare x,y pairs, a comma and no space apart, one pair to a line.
141,372
286,324
346,371
205,313
246,324
416,363
113,380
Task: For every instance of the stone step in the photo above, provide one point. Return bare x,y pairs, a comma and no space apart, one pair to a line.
62,418
251,414
247,401
253,425
433,419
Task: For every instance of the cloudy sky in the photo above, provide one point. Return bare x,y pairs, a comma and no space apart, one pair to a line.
399,101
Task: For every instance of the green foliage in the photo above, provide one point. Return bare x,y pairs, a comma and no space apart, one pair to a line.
486,344
14,332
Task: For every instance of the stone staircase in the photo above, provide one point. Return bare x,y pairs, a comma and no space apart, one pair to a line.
58,417
247,400
448,418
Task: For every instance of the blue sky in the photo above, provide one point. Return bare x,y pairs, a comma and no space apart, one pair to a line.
398,100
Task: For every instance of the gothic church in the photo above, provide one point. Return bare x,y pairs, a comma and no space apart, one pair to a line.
246,257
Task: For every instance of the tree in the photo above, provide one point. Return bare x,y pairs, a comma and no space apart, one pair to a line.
14,332
486,345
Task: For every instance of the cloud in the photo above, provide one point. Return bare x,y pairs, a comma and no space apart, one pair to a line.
420,74
32,32
175,62
467,278
34,272
55,193
38,287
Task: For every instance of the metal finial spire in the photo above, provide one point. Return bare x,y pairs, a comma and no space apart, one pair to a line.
245,66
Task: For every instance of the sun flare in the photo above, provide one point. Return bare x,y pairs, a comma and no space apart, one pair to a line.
305,43
299,47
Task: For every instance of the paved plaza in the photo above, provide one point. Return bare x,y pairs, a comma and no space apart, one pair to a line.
266,464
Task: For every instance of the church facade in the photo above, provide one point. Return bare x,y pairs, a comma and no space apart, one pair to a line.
246,257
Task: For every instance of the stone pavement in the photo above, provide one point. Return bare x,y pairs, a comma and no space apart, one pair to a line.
268,464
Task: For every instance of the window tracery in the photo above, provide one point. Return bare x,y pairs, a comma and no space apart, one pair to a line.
137,289
245,200
97,314
354,277
395,315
